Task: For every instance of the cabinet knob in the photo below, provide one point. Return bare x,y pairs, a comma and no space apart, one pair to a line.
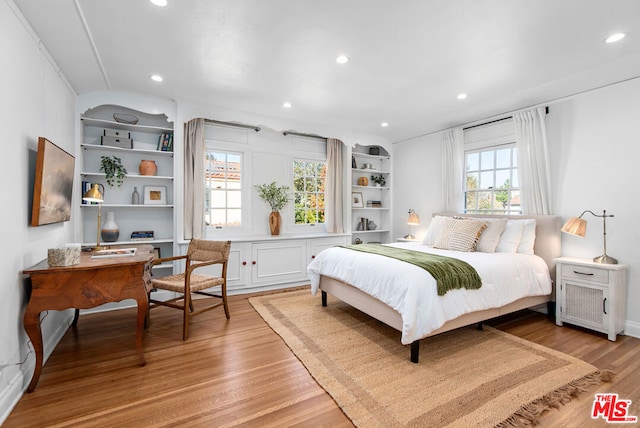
253,262
313,257
244,263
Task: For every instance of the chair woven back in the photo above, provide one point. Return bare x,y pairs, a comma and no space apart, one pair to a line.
202,250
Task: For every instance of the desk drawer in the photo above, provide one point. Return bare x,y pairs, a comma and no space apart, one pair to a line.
585,273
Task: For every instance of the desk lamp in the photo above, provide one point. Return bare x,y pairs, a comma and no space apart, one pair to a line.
413,220
578,226
95,195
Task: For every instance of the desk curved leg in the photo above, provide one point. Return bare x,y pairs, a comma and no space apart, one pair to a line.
32,327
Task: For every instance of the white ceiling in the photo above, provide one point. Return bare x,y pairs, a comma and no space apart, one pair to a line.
408,59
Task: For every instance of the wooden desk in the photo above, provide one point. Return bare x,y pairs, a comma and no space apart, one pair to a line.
88,284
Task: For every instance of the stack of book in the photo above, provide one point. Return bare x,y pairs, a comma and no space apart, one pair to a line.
165,142
374,204
142,235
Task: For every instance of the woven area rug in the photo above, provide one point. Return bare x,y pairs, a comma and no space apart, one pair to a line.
465,377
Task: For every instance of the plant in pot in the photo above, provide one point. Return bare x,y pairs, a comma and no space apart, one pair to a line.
114,170
379,180
277,197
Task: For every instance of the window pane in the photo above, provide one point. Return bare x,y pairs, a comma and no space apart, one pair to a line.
473,162
503,178
486,160
234,217
484,200
472,181
486,180
218,199
503,158
234,199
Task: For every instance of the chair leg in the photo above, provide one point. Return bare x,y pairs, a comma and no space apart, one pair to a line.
185,322
224,300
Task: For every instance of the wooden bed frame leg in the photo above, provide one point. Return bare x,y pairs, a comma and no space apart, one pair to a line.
415,351
324,299
480,326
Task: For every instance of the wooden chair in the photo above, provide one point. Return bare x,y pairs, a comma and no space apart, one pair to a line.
200,253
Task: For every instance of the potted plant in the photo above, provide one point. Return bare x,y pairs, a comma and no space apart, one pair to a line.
277,197
379,179
114,170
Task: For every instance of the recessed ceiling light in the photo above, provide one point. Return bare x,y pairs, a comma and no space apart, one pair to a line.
342,59
615,37
286,105
156,78
461,96
384,124
161,3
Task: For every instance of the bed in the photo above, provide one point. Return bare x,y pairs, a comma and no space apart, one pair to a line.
393,291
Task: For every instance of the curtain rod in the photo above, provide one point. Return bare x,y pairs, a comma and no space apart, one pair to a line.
238,125
546,111
299,134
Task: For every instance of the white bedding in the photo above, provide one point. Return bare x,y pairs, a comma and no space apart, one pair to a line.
412,292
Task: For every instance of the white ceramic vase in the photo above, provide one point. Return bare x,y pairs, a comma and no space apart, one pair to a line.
110,231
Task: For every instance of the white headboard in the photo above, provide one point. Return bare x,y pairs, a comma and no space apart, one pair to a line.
548,240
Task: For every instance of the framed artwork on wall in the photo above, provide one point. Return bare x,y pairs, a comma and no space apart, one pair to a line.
53,184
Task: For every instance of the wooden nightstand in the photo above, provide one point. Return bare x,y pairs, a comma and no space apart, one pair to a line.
591,295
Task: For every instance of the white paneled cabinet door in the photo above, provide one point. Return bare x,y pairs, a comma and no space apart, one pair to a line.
273,262
239,265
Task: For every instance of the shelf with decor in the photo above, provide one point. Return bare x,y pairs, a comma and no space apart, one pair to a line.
371,194
140,199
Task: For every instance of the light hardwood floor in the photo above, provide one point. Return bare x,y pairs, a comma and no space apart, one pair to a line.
240,373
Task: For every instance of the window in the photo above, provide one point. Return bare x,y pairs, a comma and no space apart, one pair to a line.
492,180
223,189
308,191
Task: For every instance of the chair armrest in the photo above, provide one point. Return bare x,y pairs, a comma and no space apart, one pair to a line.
167,259
197,265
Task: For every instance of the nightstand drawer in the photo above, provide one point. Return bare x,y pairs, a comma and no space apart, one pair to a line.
585,273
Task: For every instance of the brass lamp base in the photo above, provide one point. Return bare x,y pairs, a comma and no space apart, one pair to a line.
604,259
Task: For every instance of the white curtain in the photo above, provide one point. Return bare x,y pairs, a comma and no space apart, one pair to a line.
453,171
334,187
194,146
533,161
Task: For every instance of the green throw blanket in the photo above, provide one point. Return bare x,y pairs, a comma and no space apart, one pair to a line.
448,272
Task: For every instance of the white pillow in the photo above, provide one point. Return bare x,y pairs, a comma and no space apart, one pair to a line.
491,235
528,238
510,238
434,230
460,234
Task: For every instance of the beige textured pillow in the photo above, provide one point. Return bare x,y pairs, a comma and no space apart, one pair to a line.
491,235
460,234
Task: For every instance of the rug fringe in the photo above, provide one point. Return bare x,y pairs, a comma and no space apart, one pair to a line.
529,414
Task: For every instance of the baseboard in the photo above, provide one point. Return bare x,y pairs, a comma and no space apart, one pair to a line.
632,329
15,378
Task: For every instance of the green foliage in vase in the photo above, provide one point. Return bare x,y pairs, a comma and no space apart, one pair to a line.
276,197
114,170
379,179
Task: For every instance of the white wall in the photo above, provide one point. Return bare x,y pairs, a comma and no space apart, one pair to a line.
594,164
35,102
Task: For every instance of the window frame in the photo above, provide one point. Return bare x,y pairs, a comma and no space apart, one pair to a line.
492,190
302,227
245,168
